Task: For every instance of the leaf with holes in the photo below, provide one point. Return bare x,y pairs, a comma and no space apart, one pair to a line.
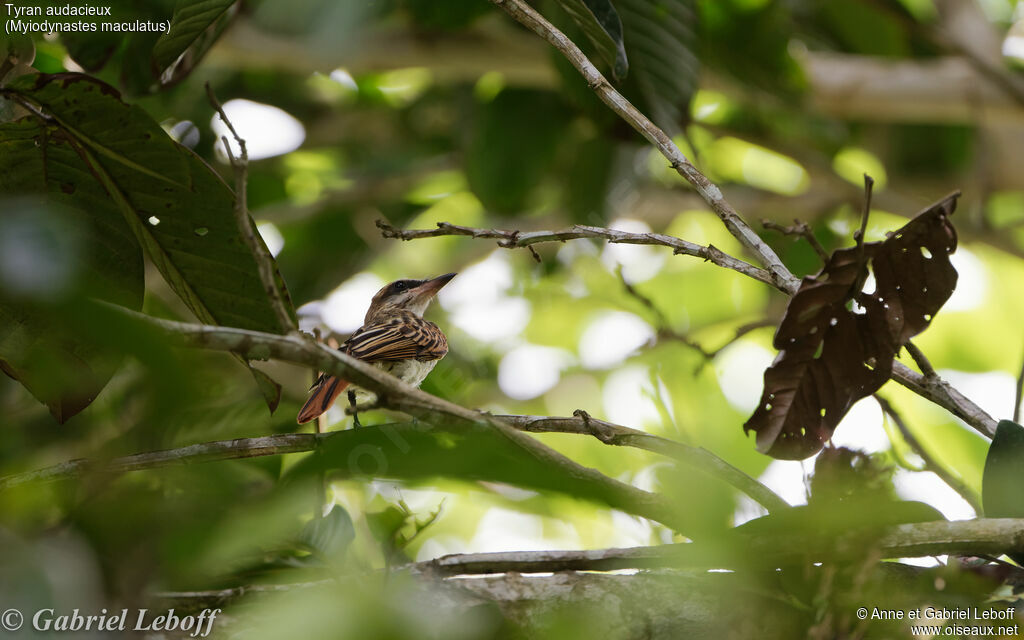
178,209
836,342
600,21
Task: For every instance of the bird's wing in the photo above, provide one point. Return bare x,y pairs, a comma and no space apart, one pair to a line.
400,337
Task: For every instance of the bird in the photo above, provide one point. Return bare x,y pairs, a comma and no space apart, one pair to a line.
394,337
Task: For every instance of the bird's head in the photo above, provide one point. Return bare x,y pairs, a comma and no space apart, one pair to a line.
410,295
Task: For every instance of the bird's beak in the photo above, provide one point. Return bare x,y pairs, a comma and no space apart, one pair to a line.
429,289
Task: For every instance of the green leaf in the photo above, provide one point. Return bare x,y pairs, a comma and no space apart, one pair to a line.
151,60
330,535
179,210
82,246
601,23
195,26
419,451
1002,483
660,39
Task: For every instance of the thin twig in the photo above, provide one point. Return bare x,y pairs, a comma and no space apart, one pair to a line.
264,261
522,12
511,239
742,331
1019,395
930,463
922,361
858,235
192,454
665,329
801,229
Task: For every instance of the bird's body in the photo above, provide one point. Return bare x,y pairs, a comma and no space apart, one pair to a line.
394,337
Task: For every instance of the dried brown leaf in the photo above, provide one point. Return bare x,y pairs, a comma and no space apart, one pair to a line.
836,342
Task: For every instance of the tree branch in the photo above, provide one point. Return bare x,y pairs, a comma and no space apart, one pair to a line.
932,388
930,463
801,229
192,454
781,277
264,261
1019,393
301,442
617,435
982,536
941,393
511,239
395,394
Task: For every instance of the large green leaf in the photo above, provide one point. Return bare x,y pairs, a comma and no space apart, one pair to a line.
660,39
179,210
421,451
600,21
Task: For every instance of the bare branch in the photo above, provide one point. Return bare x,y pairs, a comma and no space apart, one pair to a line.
982,536
302,442
922,361
988,536
264,261
801,229
617,435
930,463
781,277
941,393
196,453
511,239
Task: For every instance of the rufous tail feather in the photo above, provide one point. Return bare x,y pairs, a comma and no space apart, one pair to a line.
321,399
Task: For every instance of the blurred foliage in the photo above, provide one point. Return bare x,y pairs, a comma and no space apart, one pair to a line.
419,112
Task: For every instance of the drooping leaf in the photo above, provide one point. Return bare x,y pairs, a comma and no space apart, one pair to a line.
179,210
601,23
660,38
150,60
1002,483
195,26
1002,479
420,451
832,353
330,535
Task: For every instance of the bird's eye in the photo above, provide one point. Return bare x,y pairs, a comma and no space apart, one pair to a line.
400,286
